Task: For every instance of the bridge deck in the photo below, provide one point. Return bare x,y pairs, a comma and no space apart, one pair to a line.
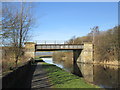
50,47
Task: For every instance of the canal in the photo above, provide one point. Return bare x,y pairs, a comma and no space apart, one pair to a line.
105,76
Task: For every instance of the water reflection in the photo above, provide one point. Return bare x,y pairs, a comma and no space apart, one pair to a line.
105,76
87,71
50,61
101,75
67,65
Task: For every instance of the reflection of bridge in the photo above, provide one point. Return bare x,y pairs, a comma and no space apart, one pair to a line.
52,47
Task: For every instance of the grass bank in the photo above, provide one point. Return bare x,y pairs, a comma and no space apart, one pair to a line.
59,78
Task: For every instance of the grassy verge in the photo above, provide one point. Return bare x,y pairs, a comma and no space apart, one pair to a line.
62,79
38,58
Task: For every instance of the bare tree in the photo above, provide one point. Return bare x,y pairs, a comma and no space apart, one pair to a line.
17,21
94,32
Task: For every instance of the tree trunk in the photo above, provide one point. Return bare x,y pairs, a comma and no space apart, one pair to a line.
16,61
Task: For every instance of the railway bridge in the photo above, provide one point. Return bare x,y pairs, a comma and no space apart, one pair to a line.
81,52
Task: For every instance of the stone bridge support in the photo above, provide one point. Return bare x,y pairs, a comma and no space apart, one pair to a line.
82,56
30,49
87,54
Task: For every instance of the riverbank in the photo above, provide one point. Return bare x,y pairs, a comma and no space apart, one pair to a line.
38,74
59,78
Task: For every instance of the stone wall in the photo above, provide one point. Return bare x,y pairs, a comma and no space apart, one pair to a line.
30,49
86,55
16,79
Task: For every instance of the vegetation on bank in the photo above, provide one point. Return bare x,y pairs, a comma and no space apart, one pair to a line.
38,58
106,45
59,78
8,64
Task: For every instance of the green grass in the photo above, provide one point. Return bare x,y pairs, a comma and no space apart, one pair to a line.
38,58
59,78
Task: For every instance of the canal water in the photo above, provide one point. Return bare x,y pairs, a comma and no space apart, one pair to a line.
105,76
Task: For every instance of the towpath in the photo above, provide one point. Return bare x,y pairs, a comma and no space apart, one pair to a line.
40,78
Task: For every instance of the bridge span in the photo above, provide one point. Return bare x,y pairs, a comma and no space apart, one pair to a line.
54,47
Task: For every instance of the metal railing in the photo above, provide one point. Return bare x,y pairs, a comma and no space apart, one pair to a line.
50,41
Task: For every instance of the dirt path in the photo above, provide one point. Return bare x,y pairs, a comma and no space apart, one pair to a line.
40,79
34,77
